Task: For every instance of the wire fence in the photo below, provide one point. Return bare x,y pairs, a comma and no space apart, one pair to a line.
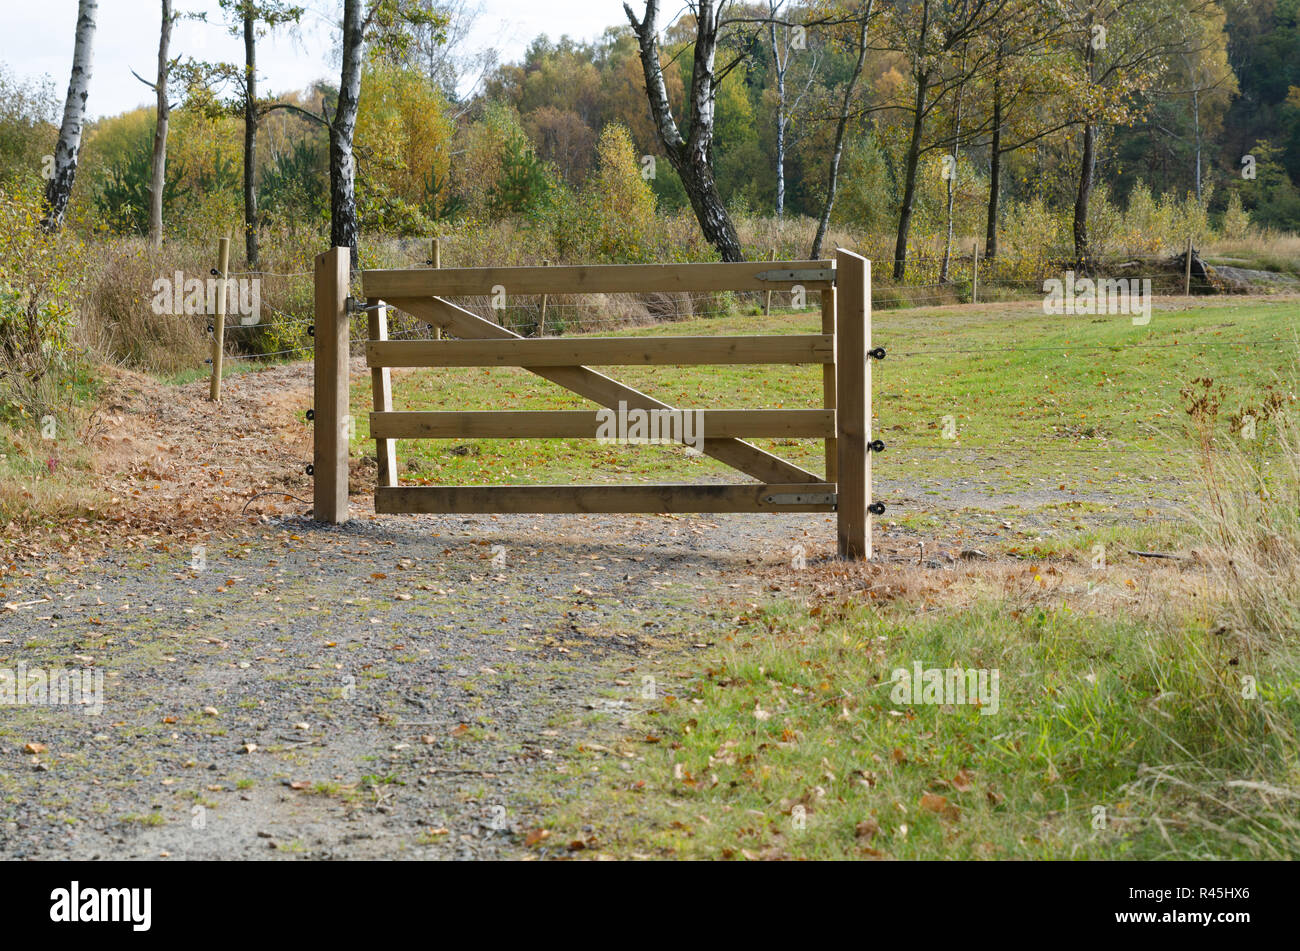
928,282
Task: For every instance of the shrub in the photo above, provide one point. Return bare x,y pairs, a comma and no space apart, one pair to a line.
40,274
1236,219
618,204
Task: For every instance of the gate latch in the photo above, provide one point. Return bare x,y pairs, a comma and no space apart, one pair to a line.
801,498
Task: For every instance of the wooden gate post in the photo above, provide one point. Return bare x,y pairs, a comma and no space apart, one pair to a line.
331,385
853,403
828,381
219,323
381,384
436,261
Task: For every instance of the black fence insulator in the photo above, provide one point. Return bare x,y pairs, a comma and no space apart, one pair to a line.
311,470
877,354
311,330
214,272
311,414
876,508
876,445
211,329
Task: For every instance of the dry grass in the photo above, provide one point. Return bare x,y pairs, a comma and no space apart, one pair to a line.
118,321
1261,250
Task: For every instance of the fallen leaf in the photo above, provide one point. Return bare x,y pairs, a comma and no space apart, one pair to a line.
940,804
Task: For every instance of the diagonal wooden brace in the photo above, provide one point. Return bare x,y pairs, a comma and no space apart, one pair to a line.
602,389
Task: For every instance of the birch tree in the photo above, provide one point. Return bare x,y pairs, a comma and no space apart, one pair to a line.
392,24
59,188
690,154
162,118
858,19
786,39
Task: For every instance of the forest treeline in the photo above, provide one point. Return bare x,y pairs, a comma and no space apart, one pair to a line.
939,114
1030,135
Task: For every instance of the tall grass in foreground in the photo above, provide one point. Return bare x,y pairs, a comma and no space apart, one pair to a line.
1242,782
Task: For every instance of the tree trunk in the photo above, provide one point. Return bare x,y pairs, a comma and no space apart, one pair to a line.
250,139
909,187
1087,169
690,157
59,188
832,185
995,174
710,212
837,152
946,266
158,165
343,197
1196,116
780,112
1087,172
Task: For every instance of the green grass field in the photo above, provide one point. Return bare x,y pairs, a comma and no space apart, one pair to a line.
1039,397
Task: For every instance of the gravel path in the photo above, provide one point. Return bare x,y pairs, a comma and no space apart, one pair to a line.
380,689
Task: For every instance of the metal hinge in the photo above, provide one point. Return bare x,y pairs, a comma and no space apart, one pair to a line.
824,275
802,498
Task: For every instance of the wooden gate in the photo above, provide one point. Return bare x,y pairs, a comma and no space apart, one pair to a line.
843,348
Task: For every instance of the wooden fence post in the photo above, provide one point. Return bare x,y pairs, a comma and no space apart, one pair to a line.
436,260
331,385
767,304
382,386
828,381
1187,278
541,320
219,324
975,273
853,402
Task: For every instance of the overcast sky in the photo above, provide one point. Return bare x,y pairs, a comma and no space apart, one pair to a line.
37,40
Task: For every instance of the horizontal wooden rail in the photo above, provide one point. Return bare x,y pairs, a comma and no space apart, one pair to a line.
603,351
598,279
584,424
602,499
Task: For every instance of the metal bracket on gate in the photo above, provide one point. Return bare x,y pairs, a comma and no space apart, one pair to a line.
802,498
792,276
